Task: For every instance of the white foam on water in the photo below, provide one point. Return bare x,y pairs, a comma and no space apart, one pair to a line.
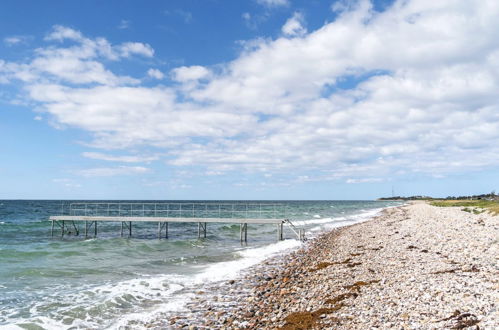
250,257
221,271
143,298
328,224
109,298
317,216
42,321
317,221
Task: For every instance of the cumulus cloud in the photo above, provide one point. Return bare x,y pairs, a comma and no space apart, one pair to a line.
78,63
136,48
60,33
189,73
294,25
410,90
155,73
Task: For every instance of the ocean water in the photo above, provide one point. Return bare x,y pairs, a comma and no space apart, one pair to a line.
110,281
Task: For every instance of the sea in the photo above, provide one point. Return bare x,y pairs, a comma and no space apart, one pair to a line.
111,282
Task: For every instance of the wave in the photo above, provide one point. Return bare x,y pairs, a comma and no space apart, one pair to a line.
115,305
149,297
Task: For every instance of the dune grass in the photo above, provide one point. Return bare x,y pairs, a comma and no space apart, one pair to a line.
472,206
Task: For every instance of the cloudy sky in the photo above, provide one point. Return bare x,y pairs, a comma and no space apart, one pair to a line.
253,99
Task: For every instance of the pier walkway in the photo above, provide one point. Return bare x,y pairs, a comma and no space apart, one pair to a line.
90,214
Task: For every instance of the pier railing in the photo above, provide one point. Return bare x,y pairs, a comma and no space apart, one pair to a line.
177,210
165,213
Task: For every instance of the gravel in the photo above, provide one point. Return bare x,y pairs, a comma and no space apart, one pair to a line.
414,267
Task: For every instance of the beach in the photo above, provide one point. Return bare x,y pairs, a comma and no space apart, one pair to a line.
412,267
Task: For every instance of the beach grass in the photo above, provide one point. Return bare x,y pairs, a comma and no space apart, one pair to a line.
472,206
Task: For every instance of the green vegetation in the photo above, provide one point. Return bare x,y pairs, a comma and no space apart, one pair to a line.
490,197
471,206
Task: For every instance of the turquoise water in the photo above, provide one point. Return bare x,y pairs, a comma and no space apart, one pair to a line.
54,282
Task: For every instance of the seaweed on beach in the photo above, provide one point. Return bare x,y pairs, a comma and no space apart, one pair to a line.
472,269
321,265
461,320
307,320
357,285
452,270
341,297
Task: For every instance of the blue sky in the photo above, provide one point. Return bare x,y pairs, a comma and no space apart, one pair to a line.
256,99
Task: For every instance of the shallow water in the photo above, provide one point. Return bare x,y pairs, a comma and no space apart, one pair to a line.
109,281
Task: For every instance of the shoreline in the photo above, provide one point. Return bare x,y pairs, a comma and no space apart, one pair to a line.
413,266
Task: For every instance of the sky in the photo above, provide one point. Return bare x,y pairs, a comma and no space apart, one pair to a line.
249,99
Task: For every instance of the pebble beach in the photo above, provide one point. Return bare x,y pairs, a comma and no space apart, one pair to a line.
413,267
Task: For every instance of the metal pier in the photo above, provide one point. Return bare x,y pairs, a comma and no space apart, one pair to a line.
91,214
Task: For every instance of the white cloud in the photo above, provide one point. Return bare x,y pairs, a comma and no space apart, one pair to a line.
124,159
273,3
294,26
77,63
124,24
411,90
15,40
189,73
247,20
253,21
364,180
129,48
155,73
60,33
113,171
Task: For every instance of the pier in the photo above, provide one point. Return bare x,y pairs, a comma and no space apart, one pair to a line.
91,214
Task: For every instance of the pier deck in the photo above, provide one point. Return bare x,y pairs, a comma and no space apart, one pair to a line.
128,213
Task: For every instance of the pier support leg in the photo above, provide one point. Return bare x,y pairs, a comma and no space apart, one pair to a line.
52,229
160,229
243,232
62,229
121,228
280,232
95,228
201,227
130,229
86,229
77,228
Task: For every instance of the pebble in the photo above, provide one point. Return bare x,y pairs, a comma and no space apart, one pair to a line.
346,279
